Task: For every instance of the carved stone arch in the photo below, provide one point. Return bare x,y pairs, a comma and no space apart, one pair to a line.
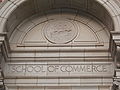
110,6
23,64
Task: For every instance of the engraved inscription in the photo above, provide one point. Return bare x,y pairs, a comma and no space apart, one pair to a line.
60,31
60,69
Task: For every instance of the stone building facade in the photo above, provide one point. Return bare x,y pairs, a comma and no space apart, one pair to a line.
60,45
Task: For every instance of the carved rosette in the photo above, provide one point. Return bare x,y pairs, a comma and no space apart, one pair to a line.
60,31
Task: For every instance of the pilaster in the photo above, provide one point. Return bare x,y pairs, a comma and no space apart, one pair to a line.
1,72
115,51
3,57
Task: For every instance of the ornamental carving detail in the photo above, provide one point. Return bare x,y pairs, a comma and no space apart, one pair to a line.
60,31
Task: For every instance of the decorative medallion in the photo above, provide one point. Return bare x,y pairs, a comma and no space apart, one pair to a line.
60,31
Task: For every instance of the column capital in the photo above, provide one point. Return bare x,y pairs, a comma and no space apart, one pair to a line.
116,37
4,45
2,36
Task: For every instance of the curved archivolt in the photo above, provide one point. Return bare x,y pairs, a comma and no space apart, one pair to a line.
16,11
